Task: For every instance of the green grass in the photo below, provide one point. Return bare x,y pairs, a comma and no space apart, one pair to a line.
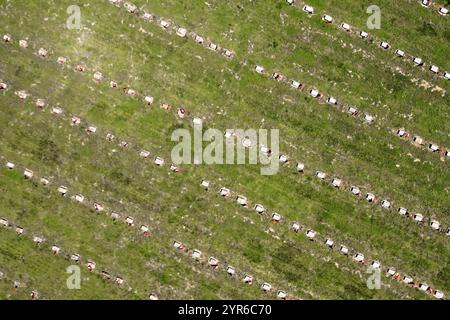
229,95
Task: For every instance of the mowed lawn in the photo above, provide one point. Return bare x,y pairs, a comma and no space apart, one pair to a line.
227,94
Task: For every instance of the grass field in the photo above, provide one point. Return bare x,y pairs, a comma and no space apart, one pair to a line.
226,94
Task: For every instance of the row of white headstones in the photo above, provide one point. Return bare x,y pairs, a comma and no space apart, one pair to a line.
352,110
312,235
381,43
385,45
159,161
331,100
242,200
231,271
78,198
335,182
443,11
296,84
228,53
282,158
370,197
182,32
91,265
355,190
